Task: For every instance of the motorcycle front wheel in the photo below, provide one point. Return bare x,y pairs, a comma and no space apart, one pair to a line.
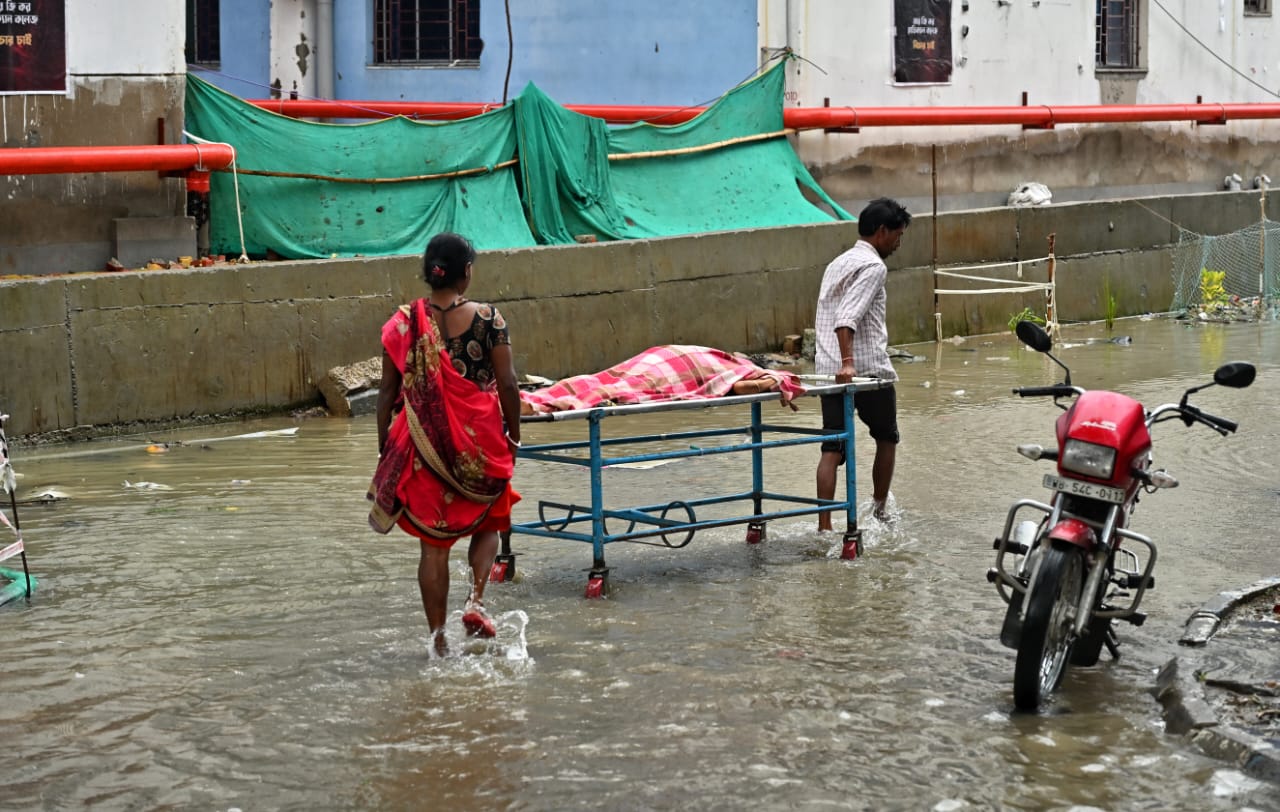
1045,647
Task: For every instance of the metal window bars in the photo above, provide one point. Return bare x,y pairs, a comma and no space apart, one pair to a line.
426,31
1117,34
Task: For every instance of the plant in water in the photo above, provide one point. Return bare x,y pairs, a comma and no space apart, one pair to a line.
1025,315
1213,291
1108,304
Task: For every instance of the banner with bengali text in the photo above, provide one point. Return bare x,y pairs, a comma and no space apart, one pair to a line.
33,46
921,42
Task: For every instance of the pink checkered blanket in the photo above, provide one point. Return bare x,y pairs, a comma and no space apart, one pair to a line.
668,372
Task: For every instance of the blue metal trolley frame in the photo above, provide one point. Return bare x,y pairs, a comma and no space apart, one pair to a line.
590,523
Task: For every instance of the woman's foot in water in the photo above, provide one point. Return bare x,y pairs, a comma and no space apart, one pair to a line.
476,620
439,645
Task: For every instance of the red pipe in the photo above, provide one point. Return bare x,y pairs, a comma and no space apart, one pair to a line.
160,157
176,157
810,118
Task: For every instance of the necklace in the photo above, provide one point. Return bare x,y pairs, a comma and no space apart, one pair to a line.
456,302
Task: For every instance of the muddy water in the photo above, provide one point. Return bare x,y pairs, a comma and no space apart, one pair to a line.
244,641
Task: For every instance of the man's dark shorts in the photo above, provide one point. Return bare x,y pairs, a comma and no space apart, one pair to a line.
876,408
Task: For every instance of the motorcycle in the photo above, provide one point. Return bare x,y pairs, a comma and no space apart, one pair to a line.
1074,569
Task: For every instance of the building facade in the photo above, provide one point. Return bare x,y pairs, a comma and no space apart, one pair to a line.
1037,52
125,80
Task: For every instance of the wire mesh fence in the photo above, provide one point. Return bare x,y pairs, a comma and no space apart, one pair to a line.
1213,273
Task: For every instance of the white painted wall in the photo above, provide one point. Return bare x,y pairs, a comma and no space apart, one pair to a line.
1042,47
125,37
293,45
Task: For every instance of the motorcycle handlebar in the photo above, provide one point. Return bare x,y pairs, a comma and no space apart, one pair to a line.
1192,414
1221,423
1058,390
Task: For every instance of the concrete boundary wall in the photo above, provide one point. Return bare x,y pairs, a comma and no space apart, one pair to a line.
93,351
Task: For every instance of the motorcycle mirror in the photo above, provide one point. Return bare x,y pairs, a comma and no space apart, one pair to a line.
1236,375
1033,335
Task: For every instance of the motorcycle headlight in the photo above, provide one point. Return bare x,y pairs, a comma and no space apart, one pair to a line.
1089,459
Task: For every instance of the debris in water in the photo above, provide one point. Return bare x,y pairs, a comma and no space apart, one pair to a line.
147,486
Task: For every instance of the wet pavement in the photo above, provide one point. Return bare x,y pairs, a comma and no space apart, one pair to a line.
208,634
1222,692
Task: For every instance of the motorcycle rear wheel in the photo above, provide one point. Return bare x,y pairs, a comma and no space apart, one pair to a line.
1045,648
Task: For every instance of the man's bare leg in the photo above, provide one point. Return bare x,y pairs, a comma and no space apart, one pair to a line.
828,466
882,474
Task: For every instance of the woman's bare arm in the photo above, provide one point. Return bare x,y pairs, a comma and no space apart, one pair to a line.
504,371
388,391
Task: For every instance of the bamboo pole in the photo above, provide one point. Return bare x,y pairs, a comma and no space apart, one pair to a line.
1051,312
482,170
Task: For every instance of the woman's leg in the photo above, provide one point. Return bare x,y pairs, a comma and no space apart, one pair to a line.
484,549
433,583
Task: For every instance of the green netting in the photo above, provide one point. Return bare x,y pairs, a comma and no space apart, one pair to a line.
729,168
388,213
1213,271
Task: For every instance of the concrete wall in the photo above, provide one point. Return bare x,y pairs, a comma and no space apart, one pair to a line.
102,349
125,86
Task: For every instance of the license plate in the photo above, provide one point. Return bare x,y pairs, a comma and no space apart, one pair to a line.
1088,490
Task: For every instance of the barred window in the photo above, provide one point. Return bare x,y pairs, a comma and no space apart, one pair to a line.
426,31
1257,8
204,43
1117,34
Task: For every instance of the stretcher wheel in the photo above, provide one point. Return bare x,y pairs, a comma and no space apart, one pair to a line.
852,545
595,586
756,532
499,573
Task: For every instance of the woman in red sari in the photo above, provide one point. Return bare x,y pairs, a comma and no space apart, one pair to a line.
448,426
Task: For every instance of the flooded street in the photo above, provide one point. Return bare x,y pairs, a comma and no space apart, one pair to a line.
243,640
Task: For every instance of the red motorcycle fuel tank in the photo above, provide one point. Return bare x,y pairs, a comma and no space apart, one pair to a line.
1108,419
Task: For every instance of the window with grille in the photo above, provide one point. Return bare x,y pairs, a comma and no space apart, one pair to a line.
426,31
204,44
1117,33
1261,8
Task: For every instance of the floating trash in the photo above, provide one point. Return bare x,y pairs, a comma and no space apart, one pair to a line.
44,496
147,486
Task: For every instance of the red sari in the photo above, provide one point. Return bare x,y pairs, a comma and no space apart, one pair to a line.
445,471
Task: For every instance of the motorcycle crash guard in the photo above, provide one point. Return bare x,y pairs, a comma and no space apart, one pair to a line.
1074,531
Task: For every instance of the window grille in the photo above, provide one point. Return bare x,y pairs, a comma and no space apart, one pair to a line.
426,31
204,43
1117,27
1261,8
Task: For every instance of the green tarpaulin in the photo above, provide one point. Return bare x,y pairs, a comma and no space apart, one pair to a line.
311,190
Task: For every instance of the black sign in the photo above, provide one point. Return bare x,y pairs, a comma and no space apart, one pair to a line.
33,46
922,42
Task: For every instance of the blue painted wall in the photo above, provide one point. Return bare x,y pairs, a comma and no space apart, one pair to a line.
244,29
577,51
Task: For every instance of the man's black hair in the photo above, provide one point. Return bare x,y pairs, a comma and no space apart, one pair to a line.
885,212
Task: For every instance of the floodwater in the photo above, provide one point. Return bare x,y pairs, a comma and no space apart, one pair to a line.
244,641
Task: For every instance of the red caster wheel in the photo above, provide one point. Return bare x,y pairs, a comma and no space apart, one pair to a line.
852,545
595,587
504,568
756,532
